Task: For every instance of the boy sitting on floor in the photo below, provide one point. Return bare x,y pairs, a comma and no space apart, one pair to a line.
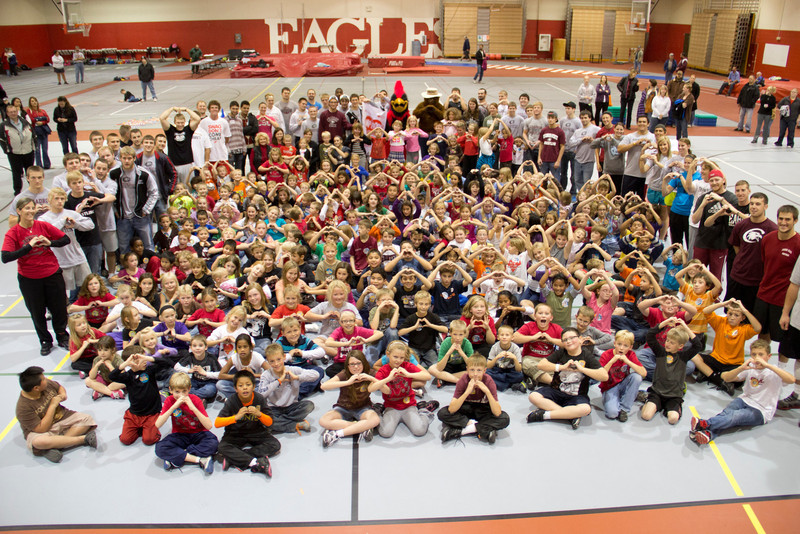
280,385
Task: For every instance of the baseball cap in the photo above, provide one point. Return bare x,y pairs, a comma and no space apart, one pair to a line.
569,104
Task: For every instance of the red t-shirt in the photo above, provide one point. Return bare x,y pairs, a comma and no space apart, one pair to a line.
539,349
779,258
619,371
655,317
282,311
39,262
273,174
469,143
358,251
400,395
97,314
184,421
477,336
90,352
216,316
506,148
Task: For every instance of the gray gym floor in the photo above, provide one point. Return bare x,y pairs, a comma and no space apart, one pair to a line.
531,469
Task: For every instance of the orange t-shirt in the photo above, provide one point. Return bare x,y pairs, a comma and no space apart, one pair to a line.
729,340
699,324
635,281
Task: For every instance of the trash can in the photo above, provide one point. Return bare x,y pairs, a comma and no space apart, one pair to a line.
559,49
416,47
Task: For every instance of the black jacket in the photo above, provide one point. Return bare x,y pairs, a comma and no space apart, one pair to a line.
166,174
142,192
749,95
628,88
146,72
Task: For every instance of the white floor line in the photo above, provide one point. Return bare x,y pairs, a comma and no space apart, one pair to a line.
168,90
560,89
766,182
122,109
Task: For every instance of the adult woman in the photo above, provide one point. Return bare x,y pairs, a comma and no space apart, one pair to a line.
41,129
260,152
660,106
66,117
766,112
58,67
40,280
473,113
601,100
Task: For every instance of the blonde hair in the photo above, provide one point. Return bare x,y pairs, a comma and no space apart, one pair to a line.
180,381
624,336
458,324
237,310
399,345
73,322
337,284
467,311
54,192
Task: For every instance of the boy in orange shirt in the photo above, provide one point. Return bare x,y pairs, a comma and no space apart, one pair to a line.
729,339
703,292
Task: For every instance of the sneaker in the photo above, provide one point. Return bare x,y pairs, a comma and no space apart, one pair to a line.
118,394
438,383
699,378
428,406
641,397
224,462
91,439
754,141
53,455
536,416
104,273
697,424
420,392
623,416
96,395
490,438
519,387
790,402
530,383
729,388
46,349
81,375
378,408
702,437
303,425
777,144
367,435
450,433
155,99
221,398
262,466
207,464
168,466
575,423
329,437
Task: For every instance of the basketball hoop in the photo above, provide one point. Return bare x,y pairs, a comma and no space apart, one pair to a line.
78,27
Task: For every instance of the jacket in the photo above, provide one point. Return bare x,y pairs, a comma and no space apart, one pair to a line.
166,174
145,196
146,72
628,87
15,142
749,95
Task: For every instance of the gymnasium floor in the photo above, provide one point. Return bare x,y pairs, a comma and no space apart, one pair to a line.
604,477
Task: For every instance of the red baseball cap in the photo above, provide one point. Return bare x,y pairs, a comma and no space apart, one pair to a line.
716,172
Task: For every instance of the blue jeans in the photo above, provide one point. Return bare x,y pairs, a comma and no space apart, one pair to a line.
737,413
504,379
375,350
145,86
175,446
94,256
623,322
621,396
69,141
126,228
648,361
225,388
549,166
581,173
284,418
42,157
78,71
478,74
205,389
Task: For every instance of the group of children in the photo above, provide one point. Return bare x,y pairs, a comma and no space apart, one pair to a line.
256,293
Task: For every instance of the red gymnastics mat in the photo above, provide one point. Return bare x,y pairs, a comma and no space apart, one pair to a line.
297,65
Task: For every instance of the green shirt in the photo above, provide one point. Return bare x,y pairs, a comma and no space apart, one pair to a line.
466,346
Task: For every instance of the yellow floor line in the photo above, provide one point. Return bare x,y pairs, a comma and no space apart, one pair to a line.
11,307
253,102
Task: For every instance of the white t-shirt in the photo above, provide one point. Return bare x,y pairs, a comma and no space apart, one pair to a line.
217,131
256,361
200,142
701,188
57,61
227,350
762,388
517,264
331,323
117,310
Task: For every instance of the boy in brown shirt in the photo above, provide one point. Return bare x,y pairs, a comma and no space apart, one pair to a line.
46,425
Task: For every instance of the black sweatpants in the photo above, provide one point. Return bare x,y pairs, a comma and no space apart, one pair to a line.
42,294
481,412
240,451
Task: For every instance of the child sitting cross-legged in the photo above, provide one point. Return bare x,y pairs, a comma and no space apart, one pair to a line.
281,387
247,442
453,354
347,337
352,414
756,406
394,380
625,374
202,367
301,352
504,362
106,361
474,407
191,440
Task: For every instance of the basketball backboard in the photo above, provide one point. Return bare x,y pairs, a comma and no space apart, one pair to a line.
74,22
640,16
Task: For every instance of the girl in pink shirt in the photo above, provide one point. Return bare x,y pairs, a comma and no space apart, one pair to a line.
413,133
602,298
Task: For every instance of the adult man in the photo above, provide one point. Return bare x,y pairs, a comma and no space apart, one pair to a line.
106,222
465,48
584,153
297,119
311,96
746,100
273,112
683,64
670,66
286,106
569,124
638,57
674,91
201,150
551,146
137,196
742,211
36,190
711,244
312,124
334,121
733,79
482,103
631,145
695,90
354,113
249,128
18,141
606,128
159,165
237,145
78,61
747,268
790,346
194,55
531,128
201,108
788,109
567,397
219,132
146,76
179,138
779,252
628,89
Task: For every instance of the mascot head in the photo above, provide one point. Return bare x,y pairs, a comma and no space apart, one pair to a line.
399,99
431,94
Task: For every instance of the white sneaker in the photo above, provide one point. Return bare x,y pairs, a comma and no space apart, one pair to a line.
329,437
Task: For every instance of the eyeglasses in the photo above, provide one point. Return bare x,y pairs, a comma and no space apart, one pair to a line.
355,364
568,339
